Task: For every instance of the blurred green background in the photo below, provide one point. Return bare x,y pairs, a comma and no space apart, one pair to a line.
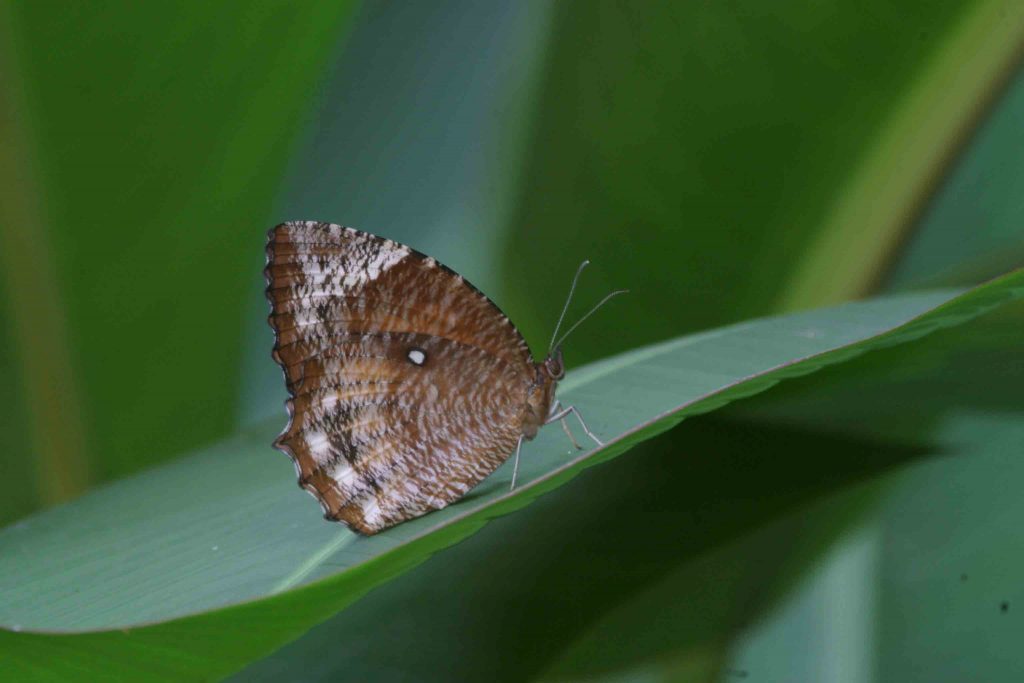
721,160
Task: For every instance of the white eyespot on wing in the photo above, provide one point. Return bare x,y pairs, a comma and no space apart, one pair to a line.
417,356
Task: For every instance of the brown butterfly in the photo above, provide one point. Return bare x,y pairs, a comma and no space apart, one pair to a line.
407,385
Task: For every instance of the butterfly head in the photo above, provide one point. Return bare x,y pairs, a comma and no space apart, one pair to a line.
554,366
541,403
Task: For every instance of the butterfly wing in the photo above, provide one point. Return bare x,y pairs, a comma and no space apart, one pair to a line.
407,385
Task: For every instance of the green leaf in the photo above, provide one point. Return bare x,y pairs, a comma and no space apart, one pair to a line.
202,565
953,557
518,595
977,368
704,598
728,161
714,538
985,191
146,142
890,552
934,560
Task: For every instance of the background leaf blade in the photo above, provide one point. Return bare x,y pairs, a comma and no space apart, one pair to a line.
375,560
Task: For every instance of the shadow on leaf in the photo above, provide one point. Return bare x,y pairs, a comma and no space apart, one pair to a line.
506,602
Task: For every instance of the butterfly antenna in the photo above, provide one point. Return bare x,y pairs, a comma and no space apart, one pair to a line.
600,303
568,300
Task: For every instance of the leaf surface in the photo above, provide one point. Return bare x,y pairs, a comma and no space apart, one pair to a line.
161,571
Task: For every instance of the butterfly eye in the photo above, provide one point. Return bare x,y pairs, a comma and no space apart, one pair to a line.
554,368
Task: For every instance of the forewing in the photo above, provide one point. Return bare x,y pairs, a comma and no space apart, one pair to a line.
326,283
406,383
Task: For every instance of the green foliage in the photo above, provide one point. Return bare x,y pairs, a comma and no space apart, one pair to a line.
155,136
214,540
724,161
704,154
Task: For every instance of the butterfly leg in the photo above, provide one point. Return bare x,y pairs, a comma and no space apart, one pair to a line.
515,467
583,424
558,413
561,413
568,433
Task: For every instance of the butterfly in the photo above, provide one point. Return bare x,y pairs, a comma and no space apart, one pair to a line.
407,385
